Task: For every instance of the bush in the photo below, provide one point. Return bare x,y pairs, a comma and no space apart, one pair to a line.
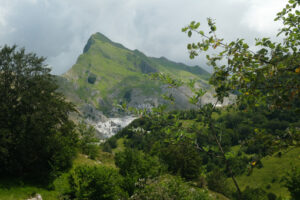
253,194
95,183
87,140
112,142
92,78
292,182
135,165
217,181
106,147
182,158
169,188
272,196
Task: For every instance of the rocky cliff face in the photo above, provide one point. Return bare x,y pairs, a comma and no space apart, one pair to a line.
111,126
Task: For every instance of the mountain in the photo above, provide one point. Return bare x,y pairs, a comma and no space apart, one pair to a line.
107,73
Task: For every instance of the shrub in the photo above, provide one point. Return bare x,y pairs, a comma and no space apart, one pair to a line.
87,140
169,188
112,142
135,165
292,182
253,194
95,183
92,78
217,181
272,196
106,147
182,158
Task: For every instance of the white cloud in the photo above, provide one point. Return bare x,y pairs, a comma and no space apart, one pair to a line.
260,15
59,29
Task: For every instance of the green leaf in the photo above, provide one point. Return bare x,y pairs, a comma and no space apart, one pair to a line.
245,46
190,33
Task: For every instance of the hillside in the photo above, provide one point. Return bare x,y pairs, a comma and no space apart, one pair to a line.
108,73
270,177
260,164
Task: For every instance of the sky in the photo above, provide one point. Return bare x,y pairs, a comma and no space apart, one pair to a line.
59,29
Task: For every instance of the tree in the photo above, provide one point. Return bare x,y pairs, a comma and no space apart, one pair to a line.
266,78
95,183
169,187
36,136
87,143
292,182
135,165
269,76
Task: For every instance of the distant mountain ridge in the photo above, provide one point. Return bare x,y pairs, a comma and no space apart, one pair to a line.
107,73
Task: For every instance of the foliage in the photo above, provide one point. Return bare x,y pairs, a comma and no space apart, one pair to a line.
217,181
109,144
161,140
169,188
87,140
269,76
272,196
92,78
272,173
292,182
95,183
135,165
106,147
182,158
113,142
36,136
253,194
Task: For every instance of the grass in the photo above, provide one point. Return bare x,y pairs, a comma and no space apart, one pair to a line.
217,196
274,169
16,189
120,146
271,174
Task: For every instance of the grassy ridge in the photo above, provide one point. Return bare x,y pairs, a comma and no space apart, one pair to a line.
117,70
269,177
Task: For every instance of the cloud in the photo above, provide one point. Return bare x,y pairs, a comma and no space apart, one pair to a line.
59,29
260,15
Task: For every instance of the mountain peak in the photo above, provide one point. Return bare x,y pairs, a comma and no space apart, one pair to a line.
100,37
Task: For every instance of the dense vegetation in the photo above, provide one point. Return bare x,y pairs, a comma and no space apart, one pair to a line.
209,152
39,142
36,136
195,157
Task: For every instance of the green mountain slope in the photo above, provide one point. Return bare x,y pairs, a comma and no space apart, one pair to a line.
270,176
108,72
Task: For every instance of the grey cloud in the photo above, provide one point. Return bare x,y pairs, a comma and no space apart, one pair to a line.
59,29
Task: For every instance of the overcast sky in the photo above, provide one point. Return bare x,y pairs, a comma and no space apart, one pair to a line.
59,29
